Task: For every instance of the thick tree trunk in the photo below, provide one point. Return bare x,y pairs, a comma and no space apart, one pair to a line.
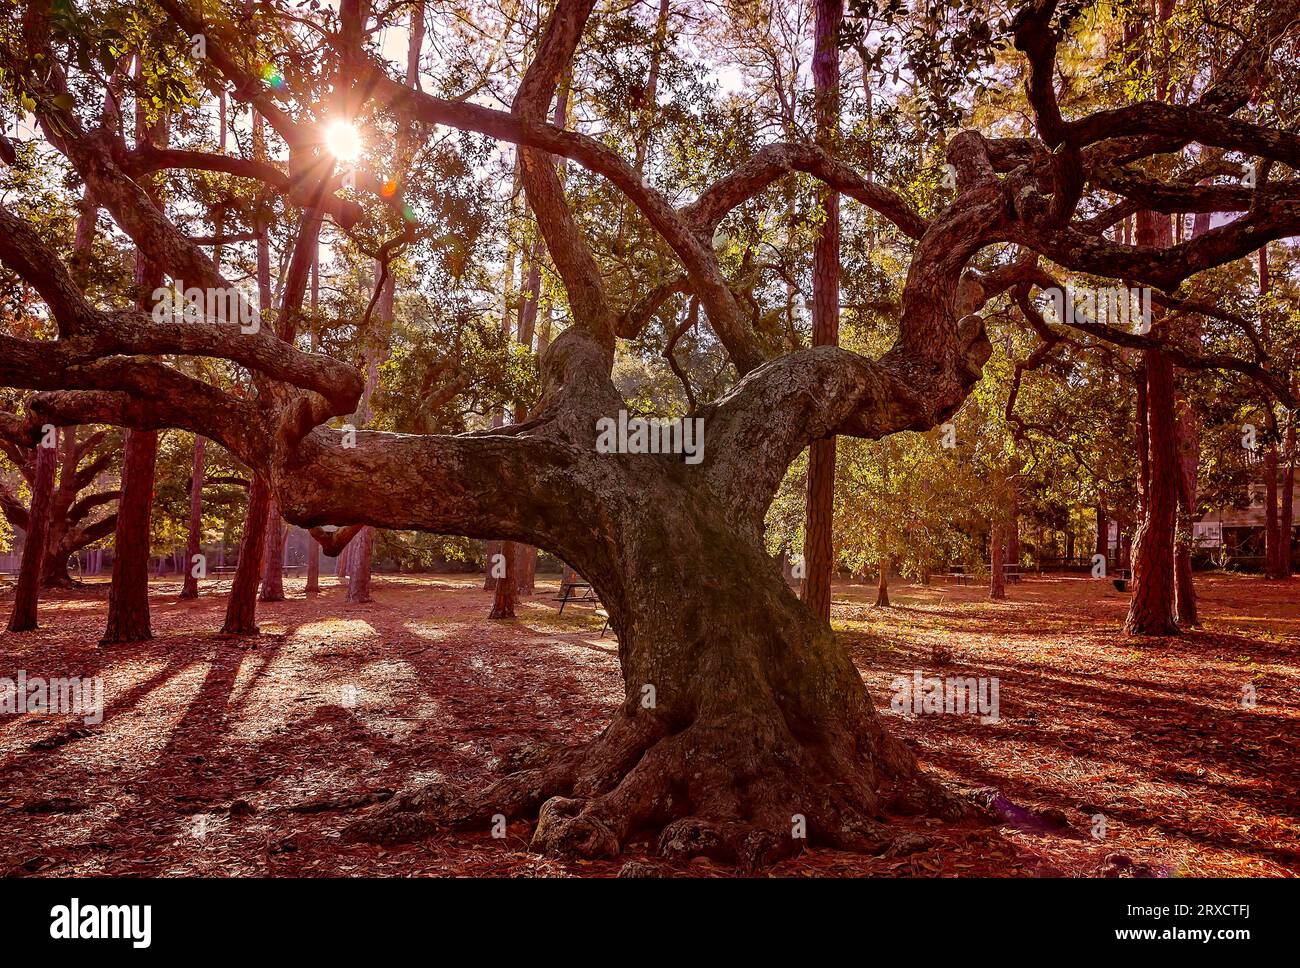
27,592
997,562
882,585
273,556
128,599
503,599
194,542
1151,611
363,547
746,732
241,607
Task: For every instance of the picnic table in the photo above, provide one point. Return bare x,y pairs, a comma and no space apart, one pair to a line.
958,576
581,593
1011,573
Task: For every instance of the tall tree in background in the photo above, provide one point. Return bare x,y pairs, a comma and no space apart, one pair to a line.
818,548
128,597
23,616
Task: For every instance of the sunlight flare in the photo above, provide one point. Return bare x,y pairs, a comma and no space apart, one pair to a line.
343,140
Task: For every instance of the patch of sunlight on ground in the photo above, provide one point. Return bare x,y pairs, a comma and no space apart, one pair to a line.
387,698
428,629
267,693
136,731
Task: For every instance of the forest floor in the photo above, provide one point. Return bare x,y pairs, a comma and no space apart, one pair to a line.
233,756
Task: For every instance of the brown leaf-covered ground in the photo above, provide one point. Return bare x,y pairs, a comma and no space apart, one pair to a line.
238,757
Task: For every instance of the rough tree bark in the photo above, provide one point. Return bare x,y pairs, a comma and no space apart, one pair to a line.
1151,610
1286,518
503,598
241,606
273,557
27,592
882,584
818,548
128,598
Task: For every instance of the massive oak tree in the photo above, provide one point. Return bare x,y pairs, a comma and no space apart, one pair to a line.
742,712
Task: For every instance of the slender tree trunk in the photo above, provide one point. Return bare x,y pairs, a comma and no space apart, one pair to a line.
128,599
1286,522
882,585
818,549
997,562
313,566
273,557
313,549
23,616
241,607
1189,455
1102,544
193,544
1013,527
503,599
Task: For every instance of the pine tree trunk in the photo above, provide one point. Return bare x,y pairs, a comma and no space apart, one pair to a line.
273,556
363,546
128,599
882,585
1189,455
818,549
1272,519
313,566
526,578
1286,519
1151,611
241,607
1013,528
503,599
193,543
997,559
490,551
27,592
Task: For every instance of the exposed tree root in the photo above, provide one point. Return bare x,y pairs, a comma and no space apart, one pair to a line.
724,790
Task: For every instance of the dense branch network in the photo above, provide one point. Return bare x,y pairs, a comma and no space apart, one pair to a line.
104,365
